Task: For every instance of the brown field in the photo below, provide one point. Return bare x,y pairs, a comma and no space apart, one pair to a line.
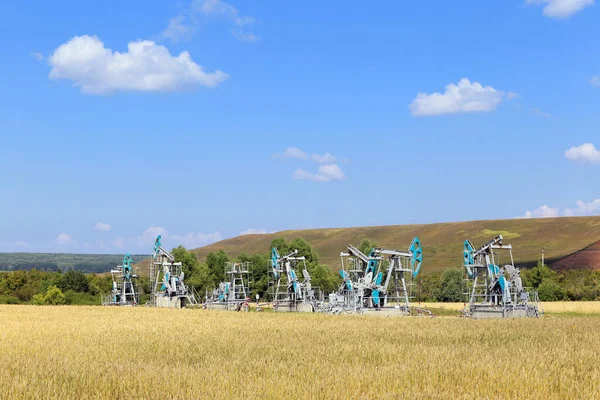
442,243
145,353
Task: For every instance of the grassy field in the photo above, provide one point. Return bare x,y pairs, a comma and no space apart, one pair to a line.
442,243
145,353
558,308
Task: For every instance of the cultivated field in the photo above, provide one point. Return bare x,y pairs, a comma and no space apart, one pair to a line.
145,353
558,308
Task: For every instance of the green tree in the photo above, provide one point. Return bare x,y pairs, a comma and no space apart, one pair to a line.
304,249
54,296
216,264
533,277
189,261
281,246
451,286
429,286
73,280
260,273
322,278
550,290
366,245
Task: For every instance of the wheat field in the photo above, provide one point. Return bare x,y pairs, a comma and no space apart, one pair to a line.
144,353
555,307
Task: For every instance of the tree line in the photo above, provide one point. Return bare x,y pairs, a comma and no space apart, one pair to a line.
92,263
76,287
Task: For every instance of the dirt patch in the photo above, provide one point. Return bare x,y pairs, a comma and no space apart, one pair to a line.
588,258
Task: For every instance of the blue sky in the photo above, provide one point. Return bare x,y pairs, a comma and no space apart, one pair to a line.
202,119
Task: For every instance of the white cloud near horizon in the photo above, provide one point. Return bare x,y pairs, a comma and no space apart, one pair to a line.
541,212
102,227
325,173
462,97
145,67
561,8
64,239
581,209
583,154
184,25
595,81
253,231
193,240
189,241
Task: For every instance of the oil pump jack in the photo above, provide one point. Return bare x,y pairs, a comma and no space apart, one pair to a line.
124,291
167,280
495,291
378,283
234,294
291,294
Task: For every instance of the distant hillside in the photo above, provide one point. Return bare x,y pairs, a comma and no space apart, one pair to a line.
442,243
587,258
52,261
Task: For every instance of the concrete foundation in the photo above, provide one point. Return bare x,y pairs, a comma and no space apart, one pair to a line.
284,306
487,312
171,302
386,312
224,306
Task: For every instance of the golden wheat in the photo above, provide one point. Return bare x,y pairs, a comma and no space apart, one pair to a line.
145,353
555,307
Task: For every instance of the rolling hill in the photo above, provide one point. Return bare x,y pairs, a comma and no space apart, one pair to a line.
561,238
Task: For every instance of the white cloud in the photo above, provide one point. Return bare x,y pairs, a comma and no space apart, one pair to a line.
151,233
22,244
561,8
196,239
463,97
541,212
323,159
64,239
326,173
292,153
178,29
581,209
190,240
595,81
253,231
245,36
584,208
37,55
102,227
584,154
145,67
184,25
540,113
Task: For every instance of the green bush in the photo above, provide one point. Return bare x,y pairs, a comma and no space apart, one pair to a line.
550,290
5,299
54,296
